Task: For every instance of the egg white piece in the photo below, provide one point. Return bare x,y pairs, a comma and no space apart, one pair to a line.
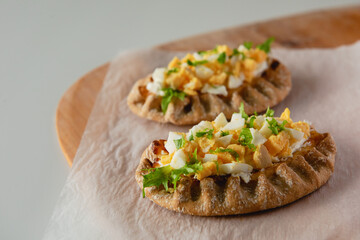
260,68
259,120
220,121
190,85
225,140
203,72
213,57
179,159
236,116
158,75
244,176
234,125
258,138
155,88
242,48
184,65
210,158
235,82
170,145
298,135
199,127
197,56
265,130
219,90
235,168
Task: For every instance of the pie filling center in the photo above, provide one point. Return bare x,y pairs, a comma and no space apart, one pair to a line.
239,147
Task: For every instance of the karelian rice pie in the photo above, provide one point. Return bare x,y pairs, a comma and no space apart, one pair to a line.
203,84
248,164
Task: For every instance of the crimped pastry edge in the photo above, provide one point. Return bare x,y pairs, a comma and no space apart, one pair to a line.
265,91
285,182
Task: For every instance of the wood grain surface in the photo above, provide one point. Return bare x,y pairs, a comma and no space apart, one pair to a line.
320,29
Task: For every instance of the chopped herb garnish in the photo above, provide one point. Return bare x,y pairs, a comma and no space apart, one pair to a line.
193,157
255,113
275,127
245,138
222,134
235,52
250,123
231,151
202,52
222,58
209,133
217,167
242,112
160,176
243,56
188,169
172,70
195,63
248,45
169,94
164,175
269,112
215,50
191,138
266,45
179,143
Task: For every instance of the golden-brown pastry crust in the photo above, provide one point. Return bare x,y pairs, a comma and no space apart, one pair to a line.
284,182
265,91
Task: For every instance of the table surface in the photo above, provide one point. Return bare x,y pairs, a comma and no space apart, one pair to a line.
47,46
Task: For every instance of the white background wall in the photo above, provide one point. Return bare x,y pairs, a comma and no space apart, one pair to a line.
46,45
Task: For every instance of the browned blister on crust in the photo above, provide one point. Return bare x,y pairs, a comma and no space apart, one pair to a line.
294,177
269,89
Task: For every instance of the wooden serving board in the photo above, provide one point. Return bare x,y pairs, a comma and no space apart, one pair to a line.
321,29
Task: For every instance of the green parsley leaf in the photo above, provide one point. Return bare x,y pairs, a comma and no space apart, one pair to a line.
231,151
217,167
266,45
202,52
242,112
215,50
188,169
255,113
250,124
193,157
245,138
235,52
160,176
169,94
191,138
173,70
195,63
269,112
248,45
243,56
208,132
275,127
222,134
164,175
222,58
179,143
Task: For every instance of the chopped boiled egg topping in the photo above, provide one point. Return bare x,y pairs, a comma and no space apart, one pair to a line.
214,71
239,147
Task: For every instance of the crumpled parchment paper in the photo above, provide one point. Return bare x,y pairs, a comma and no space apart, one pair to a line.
101,199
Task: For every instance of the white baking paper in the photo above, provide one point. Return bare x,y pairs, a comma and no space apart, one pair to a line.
101,199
